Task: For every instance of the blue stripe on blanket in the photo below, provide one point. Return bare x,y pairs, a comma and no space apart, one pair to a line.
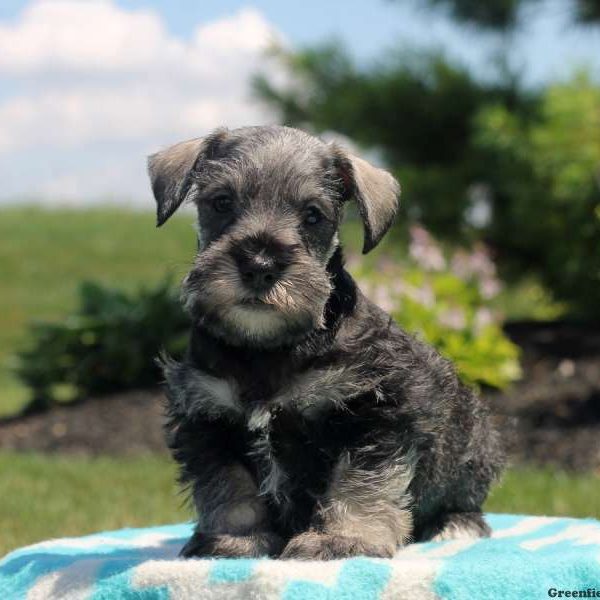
527,557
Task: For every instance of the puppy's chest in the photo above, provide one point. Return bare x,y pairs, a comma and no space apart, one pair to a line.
257,404
288,415
282,399
290,435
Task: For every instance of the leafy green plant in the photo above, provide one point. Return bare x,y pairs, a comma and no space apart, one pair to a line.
545,178
108,344
445,300
110,341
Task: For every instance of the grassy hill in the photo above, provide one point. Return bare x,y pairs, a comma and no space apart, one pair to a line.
45,254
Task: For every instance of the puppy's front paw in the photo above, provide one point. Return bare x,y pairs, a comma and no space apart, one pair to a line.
224,545
313,545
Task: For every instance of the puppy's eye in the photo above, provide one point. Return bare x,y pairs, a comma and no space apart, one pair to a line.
312,216
222,203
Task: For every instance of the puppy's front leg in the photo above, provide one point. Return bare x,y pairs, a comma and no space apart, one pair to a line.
232,519
365,511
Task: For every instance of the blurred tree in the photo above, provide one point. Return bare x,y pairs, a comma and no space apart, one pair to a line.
588,11
504,14
417,109
423,114
494,14
546,181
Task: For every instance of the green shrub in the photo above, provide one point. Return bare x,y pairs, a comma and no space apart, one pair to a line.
445,301
108,344
546,190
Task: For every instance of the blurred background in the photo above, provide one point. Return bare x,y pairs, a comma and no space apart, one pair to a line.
487,112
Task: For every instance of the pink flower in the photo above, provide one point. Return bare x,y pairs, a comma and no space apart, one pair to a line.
365,286
386,265
489,287
483,318
477,263
352,262
454,318
461,264
424,250
423,295
383,298
397,286
481,261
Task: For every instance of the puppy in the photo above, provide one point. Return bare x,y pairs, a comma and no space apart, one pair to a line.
306,423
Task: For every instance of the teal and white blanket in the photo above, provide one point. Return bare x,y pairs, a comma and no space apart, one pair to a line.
527,557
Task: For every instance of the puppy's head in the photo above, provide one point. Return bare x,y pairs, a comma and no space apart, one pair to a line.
269,202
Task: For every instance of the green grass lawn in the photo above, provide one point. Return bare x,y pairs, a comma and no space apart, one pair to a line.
44,497
45,254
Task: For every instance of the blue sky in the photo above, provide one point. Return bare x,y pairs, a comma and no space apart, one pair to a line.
547,47
89,87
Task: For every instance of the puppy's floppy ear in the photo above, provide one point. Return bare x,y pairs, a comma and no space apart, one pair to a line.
172,171
375,191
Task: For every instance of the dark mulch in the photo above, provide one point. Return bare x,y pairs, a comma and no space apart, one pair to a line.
121,424
551,417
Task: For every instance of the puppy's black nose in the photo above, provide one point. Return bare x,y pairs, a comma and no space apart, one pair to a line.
259,272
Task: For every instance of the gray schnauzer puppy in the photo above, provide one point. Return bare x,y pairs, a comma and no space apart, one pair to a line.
306,423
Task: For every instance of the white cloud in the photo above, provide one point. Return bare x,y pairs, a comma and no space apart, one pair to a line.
92,83
95,35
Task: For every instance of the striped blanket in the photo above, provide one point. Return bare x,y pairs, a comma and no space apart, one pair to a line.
527,557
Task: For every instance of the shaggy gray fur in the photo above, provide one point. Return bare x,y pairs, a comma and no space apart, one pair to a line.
306,423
